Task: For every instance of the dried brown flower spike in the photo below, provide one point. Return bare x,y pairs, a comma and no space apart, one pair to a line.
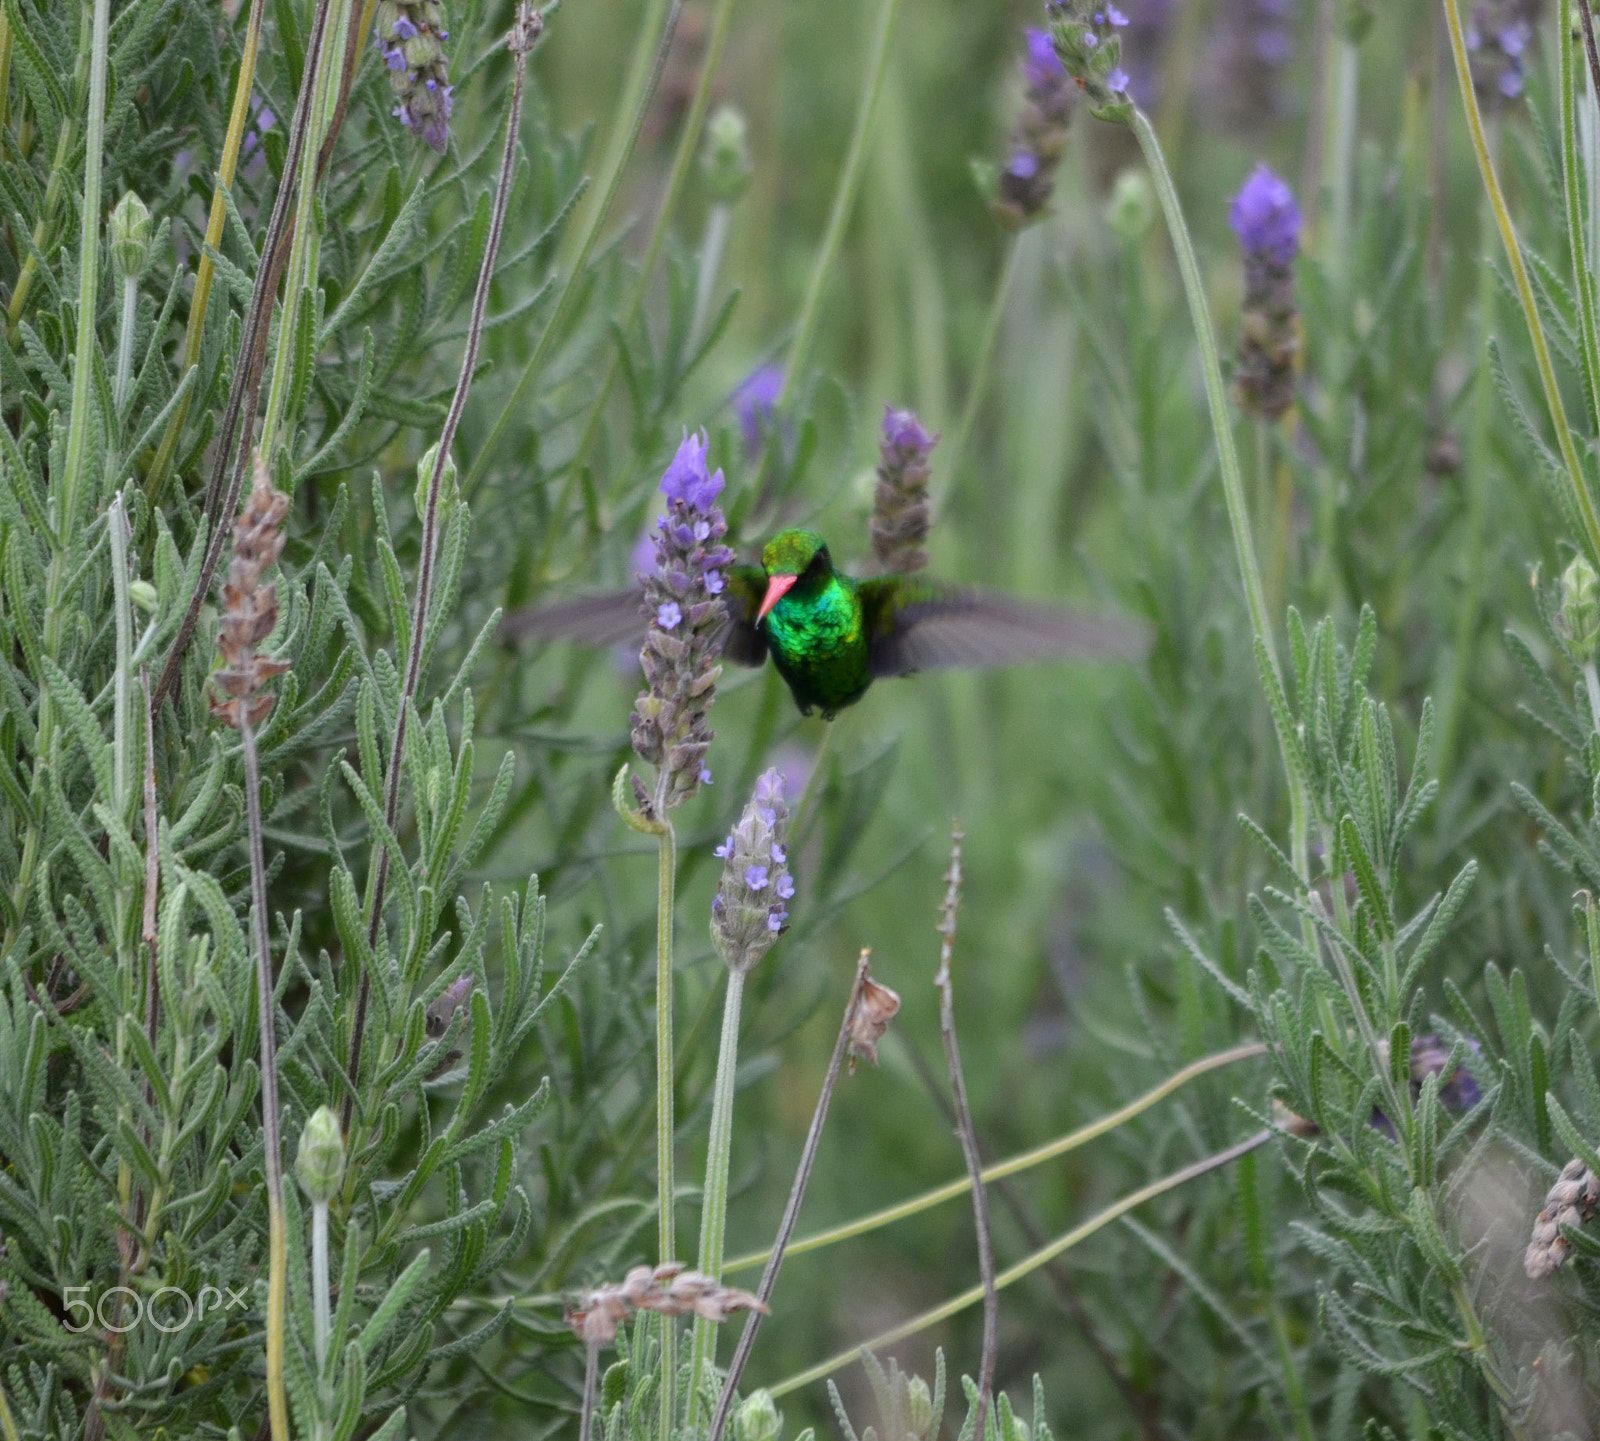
250,609
667,1289
1572,1201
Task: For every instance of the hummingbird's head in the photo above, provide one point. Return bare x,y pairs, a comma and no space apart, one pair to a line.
792,556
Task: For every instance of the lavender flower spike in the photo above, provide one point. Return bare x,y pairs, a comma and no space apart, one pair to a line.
1038,136
749,912
755,403
410,35
900,498
687,616
1266,219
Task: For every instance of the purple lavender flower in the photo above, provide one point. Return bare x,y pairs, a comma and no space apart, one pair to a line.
1502,30
1088,41
687,618
410,35
1038,136
1266,219
749,911
755,403
900,498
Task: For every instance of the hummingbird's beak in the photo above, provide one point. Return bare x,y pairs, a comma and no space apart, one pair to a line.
777,586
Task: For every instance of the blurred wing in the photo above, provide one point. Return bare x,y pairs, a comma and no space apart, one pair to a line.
615,618
915,624
612,618
745,644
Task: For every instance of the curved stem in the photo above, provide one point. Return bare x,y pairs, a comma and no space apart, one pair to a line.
957,449
844,195
1583,501
205,272
1001,1169
640,86
1025,1267
714,1204
688,143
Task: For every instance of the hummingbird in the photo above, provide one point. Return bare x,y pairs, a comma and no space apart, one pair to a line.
830,635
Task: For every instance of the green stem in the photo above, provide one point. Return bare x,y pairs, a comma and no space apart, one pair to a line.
1025,1267
1001,1169
682,161
711,248
124,376
205,272
956,452
667,1243
714,1200
322,1316
5,98
1232,480
643,72
1519,274
844,195
1589,332
306,246
65,557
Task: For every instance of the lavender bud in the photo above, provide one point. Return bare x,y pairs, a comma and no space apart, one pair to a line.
1430,1054
918,1408
1267,221
1088,42
900,498
1038,135
750,909
687,618
1131,211
725,158
409,35
319,1164
758,1418
1580,608
439,1015
130,230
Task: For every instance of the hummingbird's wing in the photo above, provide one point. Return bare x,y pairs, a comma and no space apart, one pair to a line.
617,618
915,624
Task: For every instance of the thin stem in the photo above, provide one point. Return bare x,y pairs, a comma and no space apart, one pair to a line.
666,1181
956,451
1001,1169
682,161
232,450
5,108
88,273
644,72
1216,394
791,1211
712,244
969,1140
152,873
1591,683
322,1314
124,376
522,38
1025,1267
1519,274
714,1205
121,724
591,1378
844,195
1232,481
816,783
232,140
306,246
1342,153
1572,195
277,1240
8,1422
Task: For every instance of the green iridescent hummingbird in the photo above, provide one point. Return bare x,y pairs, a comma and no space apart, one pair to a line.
831,635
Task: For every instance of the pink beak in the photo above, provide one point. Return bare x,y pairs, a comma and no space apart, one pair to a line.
777,586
